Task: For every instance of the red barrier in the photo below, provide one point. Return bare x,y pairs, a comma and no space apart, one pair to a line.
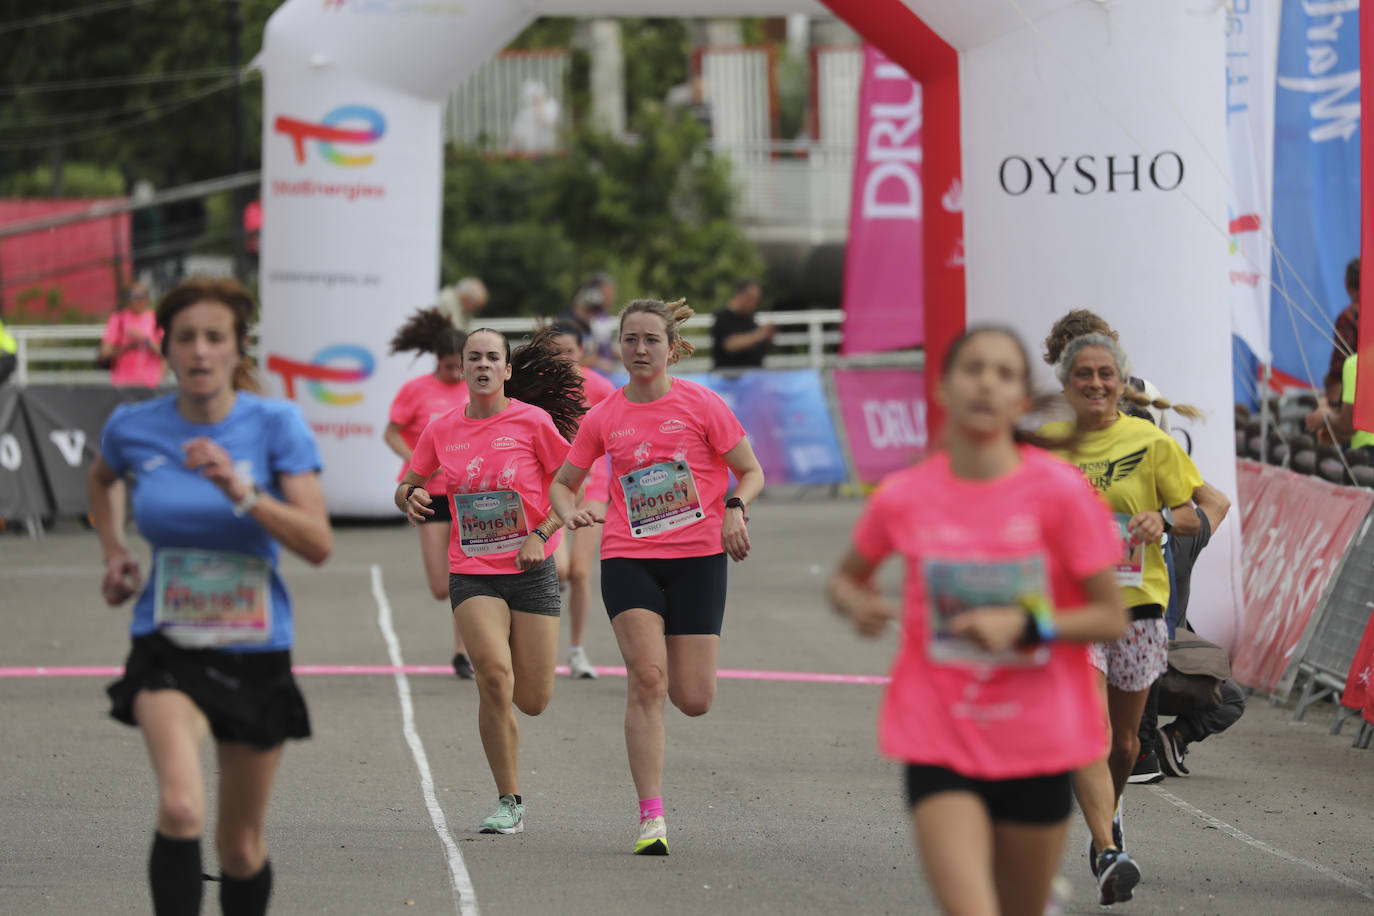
1295,530
1358,694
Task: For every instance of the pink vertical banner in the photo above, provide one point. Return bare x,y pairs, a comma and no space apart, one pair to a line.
883,275
884,414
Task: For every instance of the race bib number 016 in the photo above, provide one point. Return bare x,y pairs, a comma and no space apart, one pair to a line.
660,498
208,598
489,523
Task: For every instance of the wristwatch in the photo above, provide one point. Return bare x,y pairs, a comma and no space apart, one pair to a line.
1168,515
734,502
250,499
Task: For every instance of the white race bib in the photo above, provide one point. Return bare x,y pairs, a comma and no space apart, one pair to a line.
205,598
660,498
489,523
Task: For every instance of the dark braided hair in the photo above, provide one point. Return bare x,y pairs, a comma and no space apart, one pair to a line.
539,375
429,331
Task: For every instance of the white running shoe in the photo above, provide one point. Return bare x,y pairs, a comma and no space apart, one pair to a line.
579,666
653,837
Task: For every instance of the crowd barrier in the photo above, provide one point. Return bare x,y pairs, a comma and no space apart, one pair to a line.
808,427
1308,576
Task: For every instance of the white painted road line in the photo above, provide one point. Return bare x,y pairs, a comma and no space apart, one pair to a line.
1357,887
464,897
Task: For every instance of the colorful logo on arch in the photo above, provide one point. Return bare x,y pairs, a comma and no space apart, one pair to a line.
348,126
338,364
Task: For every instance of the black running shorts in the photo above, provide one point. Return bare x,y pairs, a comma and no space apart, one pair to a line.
687,592
1035,800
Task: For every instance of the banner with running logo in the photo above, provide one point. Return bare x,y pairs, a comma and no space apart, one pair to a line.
1316,182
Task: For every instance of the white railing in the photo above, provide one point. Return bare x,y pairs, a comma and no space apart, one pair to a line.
808,339
795,192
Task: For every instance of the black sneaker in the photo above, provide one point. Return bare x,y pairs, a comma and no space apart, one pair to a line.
462,667
1117,876
1172,750
1146,770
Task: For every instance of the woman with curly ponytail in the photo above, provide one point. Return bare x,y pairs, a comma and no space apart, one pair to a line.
420,400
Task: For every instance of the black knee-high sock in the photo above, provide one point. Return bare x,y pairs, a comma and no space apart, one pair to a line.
246,896
174,875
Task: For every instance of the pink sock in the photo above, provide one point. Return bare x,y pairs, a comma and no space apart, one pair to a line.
650,807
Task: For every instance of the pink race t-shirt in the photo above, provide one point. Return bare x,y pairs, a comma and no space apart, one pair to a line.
668,478
419,401
141,365
498,470
595,389
1040,529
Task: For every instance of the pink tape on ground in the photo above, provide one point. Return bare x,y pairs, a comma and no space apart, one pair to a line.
729,674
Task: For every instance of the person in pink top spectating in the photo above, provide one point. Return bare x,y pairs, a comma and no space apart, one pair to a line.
668,530
1010,559
419,401
575,559
499,454
132,340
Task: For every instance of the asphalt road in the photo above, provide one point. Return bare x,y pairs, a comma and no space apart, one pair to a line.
777,801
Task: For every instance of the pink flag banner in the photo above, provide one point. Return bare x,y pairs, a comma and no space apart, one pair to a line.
883,275
884,414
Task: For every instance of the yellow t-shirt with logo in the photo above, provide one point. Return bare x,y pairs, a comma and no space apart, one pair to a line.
1137,468
1360,437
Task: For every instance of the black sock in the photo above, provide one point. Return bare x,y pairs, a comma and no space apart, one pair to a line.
246,896
174,876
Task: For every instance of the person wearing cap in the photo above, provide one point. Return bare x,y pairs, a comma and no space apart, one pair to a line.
131,344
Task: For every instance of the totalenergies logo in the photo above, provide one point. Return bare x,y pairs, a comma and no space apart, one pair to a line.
354,125
340,363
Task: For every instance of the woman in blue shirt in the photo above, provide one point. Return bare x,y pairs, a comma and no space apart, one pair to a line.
221,479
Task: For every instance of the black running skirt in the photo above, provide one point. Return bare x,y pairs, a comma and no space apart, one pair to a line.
247,696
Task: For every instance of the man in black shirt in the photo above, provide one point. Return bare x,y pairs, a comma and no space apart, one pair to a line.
738,341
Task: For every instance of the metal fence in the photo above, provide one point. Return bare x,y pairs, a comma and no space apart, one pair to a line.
65,354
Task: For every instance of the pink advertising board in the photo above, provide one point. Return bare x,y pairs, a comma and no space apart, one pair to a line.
883,275
884,414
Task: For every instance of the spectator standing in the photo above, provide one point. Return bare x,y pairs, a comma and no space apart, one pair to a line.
738,341
132,341
8,347
1343,345
462,301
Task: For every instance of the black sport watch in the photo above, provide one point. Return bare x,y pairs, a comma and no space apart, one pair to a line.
734,502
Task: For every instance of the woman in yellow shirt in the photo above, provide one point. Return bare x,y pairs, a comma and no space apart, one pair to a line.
1148,480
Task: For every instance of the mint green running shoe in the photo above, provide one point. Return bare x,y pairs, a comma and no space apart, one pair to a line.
509,817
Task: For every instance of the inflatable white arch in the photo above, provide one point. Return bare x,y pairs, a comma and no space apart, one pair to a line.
1074,157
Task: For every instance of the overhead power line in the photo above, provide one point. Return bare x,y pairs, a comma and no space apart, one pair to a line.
52,18
28,124
104,82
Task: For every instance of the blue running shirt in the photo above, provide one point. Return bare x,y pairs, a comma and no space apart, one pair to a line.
175,507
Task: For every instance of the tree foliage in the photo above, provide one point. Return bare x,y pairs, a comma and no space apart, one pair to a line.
174,128
654,211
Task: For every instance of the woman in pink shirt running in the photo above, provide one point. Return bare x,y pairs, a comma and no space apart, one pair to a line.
419,401
1010,560
662,563
499,454
575,559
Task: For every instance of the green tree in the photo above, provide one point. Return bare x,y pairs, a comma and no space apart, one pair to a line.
655,211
